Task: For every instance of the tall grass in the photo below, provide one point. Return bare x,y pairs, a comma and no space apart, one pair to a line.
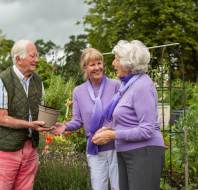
62,173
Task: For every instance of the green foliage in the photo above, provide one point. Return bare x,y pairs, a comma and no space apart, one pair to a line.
58,172
154,22
165,186
44,47
78,140
71,82
184,95
5,57
181,95
68,142
177,155
69,86
72,55
190,122
61,163
61,145
55,94
45,71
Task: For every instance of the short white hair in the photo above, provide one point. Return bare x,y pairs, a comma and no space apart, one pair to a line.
134,55
19,49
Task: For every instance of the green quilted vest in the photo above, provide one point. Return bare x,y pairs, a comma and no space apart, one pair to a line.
18,107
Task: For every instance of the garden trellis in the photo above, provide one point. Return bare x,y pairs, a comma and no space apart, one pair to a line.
165,67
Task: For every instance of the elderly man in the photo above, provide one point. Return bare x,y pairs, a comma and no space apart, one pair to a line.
20,94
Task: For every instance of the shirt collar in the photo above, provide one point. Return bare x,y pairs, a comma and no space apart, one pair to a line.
20,74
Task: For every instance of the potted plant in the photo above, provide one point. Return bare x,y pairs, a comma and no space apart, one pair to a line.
53,100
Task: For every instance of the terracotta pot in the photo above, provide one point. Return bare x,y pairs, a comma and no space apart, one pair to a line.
48,115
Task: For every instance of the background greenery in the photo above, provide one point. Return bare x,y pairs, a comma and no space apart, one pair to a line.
155,22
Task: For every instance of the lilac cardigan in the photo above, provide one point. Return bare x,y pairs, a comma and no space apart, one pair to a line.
135,117
83,105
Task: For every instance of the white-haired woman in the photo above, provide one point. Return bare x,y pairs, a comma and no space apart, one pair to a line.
89,101
139,142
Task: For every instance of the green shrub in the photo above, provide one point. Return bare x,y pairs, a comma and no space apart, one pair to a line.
45,70
189,122
183,94
165,186
78,139
69,142
59,172
55,94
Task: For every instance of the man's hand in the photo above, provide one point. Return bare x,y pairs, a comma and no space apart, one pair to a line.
58,128
104,136
39,126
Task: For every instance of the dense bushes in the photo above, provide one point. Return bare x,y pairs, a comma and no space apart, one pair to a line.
62,163
188,122
62,158
58,172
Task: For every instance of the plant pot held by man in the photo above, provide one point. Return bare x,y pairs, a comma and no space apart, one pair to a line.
53,99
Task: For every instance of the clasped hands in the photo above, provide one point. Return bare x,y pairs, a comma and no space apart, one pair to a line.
103,136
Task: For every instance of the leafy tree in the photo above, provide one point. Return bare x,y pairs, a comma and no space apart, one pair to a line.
72,57
44,47
154,22
45,70
5,57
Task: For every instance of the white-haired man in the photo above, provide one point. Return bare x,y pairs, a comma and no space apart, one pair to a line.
20,94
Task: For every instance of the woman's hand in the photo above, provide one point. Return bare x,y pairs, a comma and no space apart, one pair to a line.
104,128
104,136
58,128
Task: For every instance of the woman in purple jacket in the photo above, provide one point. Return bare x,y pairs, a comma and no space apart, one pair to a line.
139,142
90,99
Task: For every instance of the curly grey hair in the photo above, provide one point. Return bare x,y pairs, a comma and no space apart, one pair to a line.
134,55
